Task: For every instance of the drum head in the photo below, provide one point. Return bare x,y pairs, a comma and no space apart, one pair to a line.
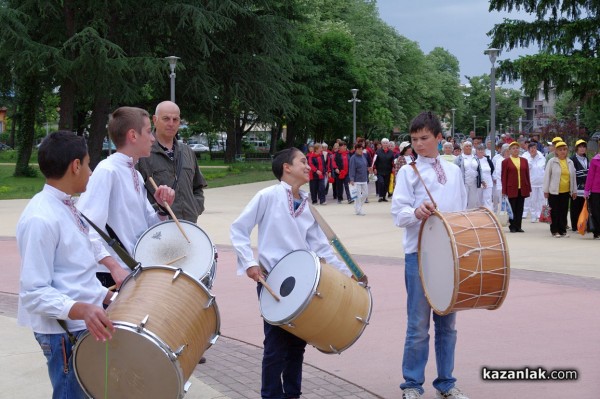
163,243
130,365
294,279
437,263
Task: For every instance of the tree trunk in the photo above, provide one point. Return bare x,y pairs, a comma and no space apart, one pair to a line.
29,93
67,87
275,134
291,135
98,128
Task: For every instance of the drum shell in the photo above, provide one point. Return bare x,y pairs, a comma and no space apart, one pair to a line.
182,313
334,314
480,260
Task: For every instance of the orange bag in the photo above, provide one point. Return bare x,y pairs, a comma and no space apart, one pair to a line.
582,222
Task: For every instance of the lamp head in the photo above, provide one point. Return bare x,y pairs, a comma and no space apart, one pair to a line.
354,91
172,61
493,54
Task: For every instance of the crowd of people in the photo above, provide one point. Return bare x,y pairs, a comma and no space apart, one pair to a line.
526,173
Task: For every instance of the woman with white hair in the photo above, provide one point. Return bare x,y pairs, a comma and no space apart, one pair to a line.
447,154
469,166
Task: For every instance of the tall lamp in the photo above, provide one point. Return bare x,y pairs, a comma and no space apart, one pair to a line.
453,111
354,100
172,62
493,54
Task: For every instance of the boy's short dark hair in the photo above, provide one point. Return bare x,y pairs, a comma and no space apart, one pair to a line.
123,119
58,150
358,146
281,157
426,120
342,142
532,144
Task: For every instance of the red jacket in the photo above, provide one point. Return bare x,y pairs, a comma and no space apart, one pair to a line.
510,179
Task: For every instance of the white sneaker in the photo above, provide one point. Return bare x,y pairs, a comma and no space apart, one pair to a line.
411,393
453,393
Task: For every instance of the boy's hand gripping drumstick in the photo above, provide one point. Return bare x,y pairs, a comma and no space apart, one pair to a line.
264,283
168,208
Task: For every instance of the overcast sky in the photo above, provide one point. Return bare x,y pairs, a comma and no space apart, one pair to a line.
459,26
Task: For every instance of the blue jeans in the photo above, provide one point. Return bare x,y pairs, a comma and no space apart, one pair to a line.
59,355
282,363
416,346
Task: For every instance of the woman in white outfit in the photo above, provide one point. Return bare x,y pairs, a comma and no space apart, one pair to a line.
486,167
469,167
537,167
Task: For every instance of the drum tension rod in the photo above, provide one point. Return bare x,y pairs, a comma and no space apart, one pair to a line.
179,350
209,303
177,273
334,350
318,294
291,325
214,339
365,322
143,323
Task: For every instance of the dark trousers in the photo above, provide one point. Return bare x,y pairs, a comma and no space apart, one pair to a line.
576,207
383,181
594,206
282,363
559,205
343,184
105,279
317,190
516,203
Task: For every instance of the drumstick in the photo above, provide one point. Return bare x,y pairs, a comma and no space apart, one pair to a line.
337,244
264,283
112,287
166,205
175,260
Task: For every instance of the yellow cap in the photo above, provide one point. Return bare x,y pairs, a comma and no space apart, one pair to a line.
560,144
580,141
554,140
513,143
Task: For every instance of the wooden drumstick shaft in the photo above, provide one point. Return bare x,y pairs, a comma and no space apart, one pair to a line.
264,283
174,260
168,208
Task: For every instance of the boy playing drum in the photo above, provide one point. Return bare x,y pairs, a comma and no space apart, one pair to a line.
285,224
410,207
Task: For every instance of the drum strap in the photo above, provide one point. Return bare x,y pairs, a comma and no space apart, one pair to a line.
63,324
414,166
114,244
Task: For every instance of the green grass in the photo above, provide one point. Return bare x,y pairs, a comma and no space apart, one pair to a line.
238,173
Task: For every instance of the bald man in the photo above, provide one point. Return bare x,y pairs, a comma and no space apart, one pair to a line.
174,164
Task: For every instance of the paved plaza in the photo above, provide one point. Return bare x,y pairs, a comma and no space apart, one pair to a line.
550,318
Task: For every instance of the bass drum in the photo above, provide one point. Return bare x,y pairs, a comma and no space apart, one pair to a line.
164,321
163,244
318,303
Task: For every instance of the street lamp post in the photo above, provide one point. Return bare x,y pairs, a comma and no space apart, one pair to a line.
493,54
487,128
577,118
172,62
354,100
453,111
475,125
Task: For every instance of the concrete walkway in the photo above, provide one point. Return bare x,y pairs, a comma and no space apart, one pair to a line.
550,319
